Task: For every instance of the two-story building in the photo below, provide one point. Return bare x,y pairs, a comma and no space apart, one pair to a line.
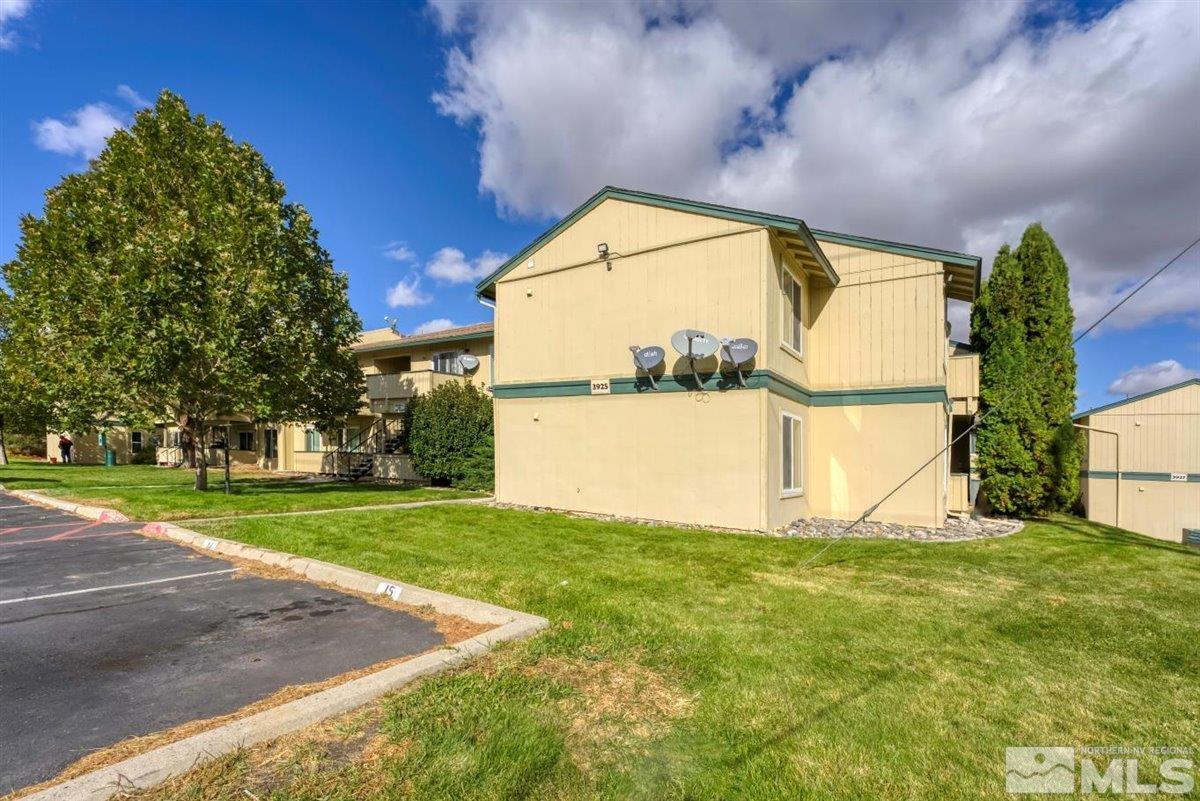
395,367
855,383
1141,468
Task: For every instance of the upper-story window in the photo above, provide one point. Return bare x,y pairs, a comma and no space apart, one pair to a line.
793,312
447,362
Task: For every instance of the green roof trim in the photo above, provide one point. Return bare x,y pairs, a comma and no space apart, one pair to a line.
974,263
404,343
1126,475
1134,398
718,382
789,224
916,251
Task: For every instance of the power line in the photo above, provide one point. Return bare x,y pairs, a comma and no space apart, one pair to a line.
993,408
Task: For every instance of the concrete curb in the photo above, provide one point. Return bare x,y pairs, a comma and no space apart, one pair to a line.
346,577
97,513
160,764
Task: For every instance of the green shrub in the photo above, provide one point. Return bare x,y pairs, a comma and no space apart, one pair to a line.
479,468
448,435
25,444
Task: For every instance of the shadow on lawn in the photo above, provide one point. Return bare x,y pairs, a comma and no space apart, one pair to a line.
1094,533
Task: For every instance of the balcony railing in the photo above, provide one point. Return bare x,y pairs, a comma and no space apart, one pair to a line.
401,386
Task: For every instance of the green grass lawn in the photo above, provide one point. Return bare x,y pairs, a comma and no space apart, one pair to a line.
155,493
694,665
38,475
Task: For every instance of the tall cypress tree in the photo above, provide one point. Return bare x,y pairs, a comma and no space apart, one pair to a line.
1049,320
1011,480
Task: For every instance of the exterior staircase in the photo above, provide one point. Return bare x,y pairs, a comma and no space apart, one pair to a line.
355,458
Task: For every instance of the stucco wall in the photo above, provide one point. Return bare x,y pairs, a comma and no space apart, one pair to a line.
859,453
659,456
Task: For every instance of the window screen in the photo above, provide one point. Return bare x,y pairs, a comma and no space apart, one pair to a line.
793,292
792,449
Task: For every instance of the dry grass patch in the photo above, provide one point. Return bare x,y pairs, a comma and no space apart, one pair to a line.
614,707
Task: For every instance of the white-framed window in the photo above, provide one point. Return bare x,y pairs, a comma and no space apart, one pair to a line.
271,444
791,431
447,362
135,442
312,439
245,440
793,313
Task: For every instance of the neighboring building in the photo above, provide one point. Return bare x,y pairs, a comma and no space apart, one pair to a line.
1142,466
396,368
89,448
851,389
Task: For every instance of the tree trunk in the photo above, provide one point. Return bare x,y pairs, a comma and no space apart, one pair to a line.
228,431
201,457
3,451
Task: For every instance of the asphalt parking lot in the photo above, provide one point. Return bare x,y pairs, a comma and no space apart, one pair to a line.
106,634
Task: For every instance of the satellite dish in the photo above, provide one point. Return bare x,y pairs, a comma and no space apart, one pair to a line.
693,345
738,352
648,359
468,362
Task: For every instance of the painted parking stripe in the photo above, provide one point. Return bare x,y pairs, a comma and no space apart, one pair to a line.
56,538
118,586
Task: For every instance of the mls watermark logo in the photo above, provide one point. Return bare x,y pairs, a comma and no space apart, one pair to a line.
1039,769
1111,770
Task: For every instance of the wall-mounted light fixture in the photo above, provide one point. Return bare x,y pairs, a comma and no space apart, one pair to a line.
602,249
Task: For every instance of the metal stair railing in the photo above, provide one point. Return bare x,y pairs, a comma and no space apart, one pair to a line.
357,453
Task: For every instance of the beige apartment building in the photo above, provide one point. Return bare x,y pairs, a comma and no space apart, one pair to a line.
395,366
1142,466
854,384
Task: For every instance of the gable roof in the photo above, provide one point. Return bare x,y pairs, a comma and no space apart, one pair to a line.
965,269
791,228
803,241
1134,398
474,331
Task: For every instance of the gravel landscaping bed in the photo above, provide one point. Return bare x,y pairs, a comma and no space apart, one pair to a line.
955,529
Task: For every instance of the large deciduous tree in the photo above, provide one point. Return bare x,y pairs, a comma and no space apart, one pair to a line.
1021,325
22,411
173,280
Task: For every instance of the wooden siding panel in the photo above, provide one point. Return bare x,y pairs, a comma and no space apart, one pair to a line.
566,320
883,325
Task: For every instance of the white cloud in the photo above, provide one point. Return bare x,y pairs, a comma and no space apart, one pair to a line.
407,292
399,251
130,96
452,266
1137,380
83,133
440,324
941,124
11,10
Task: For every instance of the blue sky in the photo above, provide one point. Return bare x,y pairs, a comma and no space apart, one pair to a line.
338,103
408,129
